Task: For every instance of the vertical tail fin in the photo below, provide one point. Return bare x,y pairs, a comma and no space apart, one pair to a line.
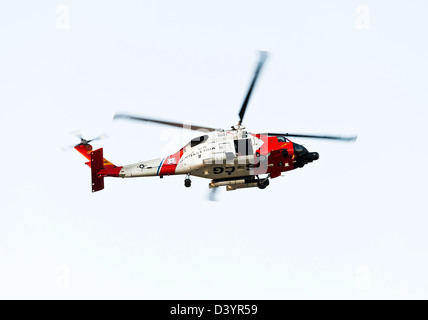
97,164
100,167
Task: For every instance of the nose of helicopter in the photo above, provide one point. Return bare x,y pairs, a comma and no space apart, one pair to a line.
303,156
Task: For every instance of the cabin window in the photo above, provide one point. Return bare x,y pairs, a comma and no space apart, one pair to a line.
243,147
194,142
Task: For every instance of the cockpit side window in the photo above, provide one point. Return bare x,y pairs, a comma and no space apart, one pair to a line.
194,142
282,139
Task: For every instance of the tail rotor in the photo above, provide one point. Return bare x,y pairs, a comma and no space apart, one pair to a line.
83,141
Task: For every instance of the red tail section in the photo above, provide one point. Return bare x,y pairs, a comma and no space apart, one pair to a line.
96,167
100,167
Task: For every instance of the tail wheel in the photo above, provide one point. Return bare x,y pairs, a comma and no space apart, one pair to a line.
187,183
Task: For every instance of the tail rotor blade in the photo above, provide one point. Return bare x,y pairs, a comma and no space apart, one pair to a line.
67,148
77,133
83,141
100,137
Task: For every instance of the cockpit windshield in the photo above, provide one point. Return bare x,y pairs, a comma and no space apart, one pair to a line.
194,142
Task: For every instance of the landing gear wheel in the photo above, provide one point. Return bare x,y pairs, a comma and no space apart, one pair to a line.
262,184
187,183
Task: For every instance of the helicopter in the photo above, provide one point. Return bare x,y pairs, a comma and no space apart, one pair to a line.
233,158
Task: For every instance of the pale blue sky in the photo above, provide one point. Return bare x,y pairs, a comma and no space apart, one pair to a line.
360,207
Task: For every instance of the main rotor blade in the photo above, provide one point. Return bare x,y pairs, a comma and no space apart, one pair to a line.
167,123
212,194
263,56
340,138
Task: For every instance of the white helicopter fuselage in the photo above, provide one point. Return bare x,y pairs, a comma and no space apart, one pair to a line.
215,155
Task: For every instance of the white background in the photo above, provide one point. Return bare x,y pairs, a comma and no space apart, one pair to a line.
351,225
